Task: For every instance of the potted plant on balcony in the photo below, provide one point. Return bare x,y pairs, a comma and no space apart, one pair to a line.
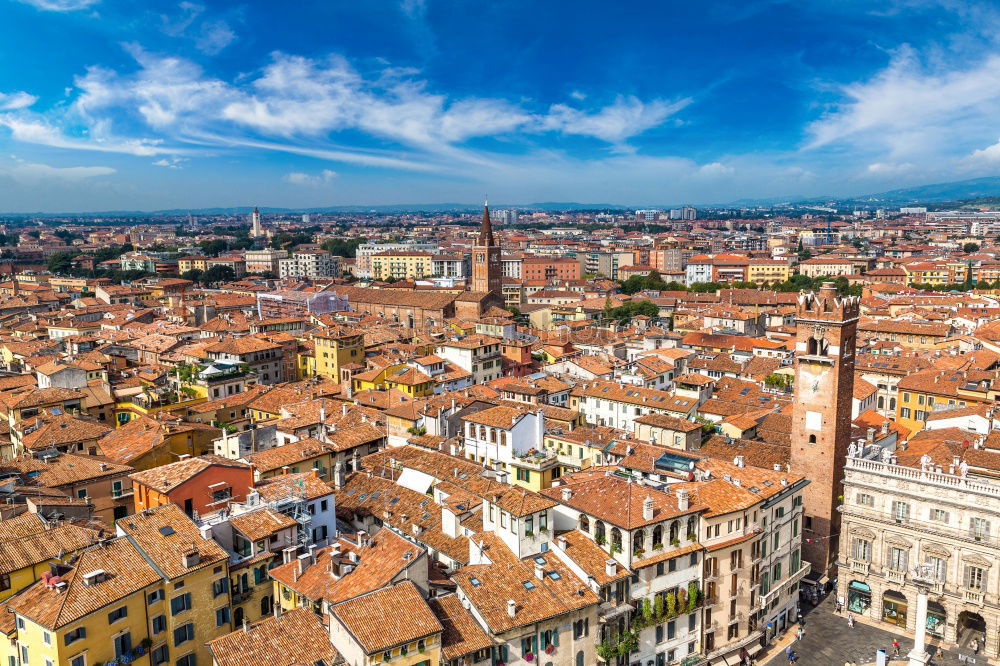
549,649
529,657
675,542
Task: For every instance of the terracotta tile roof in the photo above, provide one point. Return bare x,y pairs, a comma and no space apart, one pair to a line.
400,507
590,557
163,534
668,422
460,473
304,484
758,454
617,501
297,636
261,523
168,477
142,435
376,565
239,346
64,469
375,629
462,635
489,587
30,549
126,572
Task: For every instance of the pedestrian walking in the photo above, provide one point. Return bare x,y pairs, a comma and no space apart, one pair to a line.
895,647
798,634
788,653
975,646
850,620
839,608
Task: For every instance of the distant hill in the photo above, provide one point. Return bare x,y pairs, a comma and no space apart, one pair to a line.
391,209
960,190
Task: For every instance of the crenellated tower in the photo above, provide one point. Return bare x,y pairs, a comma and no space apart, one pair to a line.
825,345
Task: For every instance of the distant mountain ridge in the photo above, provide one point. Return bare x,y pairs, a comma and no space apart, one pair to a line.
960,190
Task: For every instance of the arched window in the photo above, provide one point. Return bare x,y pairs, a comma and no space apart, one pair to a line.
881,402
616,538
482,432
584,523
579,658
503,438
493,435
813,347
599,534
675,530
812,439
638,541
657,536
265,605
238,616
892,404
692,529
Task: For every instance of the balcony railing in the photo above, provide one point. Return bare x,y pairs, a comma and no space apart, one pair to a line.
860,567
974,596
894,576
927,526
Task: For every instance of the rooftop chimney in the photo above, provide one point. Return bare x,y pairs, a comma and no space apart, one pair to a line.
683,499
567,494
539,571
511,608
738,461
647,508
610,567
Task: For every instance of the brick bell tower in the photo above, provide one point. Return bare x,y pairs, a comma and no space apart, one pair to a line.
821,415
486,258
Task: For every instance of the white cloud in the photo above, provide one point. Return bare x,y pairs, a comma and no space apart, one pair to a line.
615,123
988,155
16,100
30,173
214,36
715,170
298,105
39,132
210,36
889,168
61,5
173,162
914,109
299,178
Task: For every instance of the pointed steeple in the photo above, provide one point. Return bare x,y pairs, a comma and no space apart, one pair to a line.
486,230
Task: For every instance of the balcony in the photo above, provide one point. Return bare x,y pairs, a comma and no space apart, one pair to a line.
860,567
242,595
894,576
974,596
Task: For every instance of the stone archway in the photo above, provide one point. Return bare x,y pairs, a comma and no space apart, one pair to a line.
970,626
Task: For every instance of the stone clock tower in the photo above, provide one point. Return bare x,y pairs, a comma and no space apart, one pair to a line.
821,415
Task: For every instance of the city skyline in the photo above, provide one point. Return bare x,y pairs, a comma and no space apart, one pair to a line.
183,105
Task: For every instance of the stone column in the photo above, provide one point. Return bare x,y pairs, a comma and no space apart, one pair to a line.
918,656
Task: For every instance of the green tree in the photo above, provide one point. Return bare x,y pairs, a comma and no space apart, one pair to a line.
61,263
969,248
626,311
194,274
343,247
217,274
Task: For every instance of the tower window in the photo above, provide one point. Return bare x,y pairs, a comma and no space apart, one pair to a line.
812,439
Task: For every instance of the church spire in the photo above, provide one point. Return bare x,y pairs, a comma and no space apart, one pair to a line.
486,230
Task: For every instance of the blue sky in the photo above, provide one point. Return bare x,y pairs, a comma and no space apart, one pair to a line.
106,104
